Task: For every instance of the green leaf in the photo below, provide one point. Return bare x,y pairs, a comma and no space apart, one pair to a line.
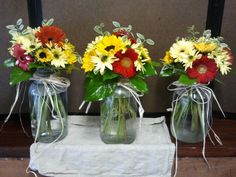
138,84
18,75
97,90
150,42
116,24
9,63
156,64
109,75
34,65
184,79
149,70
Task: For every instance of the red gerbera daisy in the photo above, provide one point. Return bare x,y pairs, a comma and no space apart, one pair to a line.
203,69
125,64
123,32
51,34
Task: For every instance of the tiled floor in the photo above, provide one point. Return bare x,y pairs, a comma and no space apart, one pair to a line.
188,167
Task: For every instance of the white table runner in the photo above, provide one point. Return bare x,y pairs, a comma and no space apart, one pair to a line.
83,154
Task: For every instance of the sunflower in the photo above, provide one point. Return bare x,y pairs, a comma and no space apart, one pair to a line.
44,55
109,45
125,65
51,34
203,69
59,58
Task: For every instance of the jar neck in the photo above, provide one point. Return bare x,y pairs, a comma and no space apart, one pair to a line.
43,72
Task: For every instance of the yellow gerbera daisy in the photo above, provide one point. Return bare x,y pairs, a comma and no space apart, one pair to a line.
44,55
110,45
70,56
167,58
59,57
205,47
69,46
145,54
87,63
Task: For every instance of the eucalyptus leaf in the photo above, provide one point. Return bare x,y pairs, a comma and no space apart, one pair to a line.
11,27
19,21
50,21
21,27
139,41
116,24
150,42
10,63
138,84
107,33
98,29
18,75
140,36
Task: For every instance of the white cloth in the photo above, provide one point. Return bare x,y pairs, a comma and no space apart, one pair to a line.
83,154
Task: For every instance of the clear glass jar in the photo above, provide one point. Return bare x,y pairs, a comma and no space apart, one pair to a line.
190,120
118,118
48,109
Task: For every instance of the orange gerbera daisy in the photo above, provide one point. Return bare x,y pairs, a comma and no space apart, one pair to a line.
51,34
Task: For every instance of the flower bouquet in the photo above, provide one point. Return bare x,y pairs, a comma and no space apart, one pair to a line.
37,54
196,60
116,65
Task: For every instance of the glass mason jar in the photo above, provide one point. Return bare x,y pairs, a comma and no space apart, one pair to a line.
191,115
48,109
118,118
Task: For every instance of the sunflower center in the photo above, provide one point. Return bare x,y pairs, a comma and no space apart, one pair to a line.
126,62
50,39
42,55
108,48
202,69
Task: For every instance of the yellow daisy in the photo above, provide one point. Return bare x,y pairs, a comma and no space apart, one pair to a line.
167,58
59,58
69,46
139,65
87,63
205,47
44,55
70,56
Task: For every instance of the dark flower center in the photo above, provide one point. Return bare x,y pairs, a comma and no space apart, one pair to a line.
104,59
202,69
182,50
108,48
32,46
126,62
42,55
50,39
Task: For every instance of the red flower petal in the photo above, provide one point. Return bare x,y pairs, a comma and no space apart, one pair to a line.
51,34
203,69
125,65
